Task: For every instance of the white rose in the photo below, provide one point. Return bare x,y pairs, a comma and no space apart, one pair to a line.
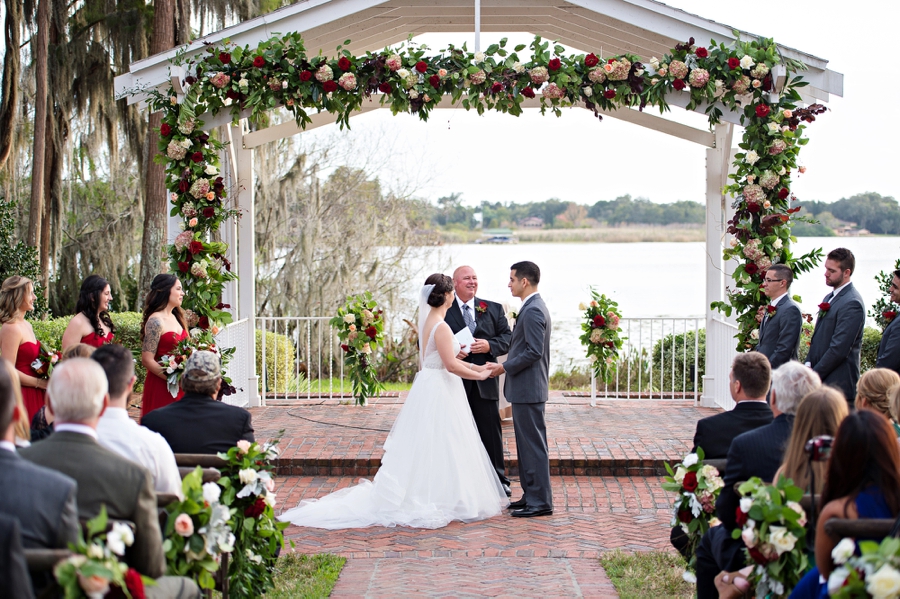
752,157
119,537
691,459
781,539
479,57
747,62
403,73
837,578
884,583
243,83
247,476
639,72
211,170
95,551
518,67
773,127
843,551
654,62
270,499
679,474
733,242
588,92
778,244
749,537
350,318
782,171
746,504
211,493
754,334
797,508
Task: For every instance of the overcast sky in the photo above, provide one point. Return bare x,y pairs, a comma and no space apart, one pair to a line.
499,157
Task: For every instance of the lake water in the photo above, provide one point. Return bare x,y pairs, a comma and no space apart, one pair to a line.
646,279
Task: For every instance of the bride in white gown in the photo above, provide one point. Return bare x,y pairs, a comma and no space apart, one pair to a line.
435,468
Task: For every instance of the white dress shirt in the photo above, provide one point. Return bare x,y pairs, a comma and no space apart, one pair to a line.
119,433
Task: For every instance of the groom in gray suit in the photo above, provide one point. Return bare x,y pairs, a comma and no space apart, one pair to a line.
527,388
835,344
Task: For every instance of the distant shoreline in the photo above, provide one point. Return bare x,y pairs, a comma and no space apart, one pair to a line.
624,234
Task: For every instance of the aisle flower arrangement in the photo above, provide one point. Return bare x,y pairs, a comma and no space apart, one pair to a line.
696,486
773,527
198,340
360,328
47,358
601,335
95,567
873,573
248,488
751,78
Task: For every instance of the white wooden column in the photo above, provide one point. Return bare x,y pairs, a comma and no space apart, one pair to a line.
246,255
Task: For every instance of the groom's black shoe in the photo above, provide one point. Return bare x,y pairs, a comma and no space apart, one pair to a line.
506,489
531,512
517,505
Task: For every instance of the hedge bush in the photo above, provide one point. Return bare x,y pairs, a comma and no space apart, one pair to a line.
280,358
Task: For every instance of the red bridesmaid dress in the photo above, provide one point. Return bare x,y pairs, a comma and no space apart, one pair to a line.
156,392
95,340
31,396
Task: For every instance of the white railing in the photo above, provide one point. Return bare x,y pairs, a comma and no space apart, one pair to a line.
721,350
303,359
660,359
238,370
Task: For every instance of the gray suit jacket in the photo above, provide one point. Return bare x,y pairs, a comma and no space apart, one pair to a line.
528,365
834,348
779,335
889,348
107,478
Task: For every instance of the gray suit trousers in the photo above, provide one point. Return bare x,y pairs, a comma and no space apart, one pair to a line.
532,453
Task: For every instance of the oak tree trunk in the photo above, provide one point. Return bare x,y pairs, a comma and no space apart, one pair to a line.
40,49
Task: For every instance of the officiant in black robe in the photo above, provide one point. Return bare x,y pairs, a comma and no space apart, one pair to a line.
488,325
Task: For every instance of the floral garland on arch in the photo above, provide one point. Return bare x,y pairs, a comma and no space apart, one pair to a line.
739,78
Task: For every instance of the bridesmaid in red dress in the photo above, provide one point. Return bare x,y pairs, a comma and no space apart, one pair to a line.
164,325
91,323
17,341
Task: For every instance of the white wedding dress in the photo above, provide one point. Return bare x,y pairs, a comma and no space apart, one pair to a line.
434,468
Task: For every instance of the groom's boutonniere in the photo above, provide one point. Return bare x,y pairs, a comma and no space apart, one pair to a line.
512,315
771,310
481,308
823,308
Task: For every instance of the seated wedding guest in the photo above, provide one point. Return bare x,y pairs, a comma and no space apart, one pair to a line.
755,453
42,423
863,482
91,323
78,397
889,347
40,499
14,577
872,393
198,423
116,430
17,341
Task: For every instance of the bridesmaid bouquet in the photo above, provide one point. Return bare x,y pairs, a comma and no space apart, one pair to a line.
46,360
199,340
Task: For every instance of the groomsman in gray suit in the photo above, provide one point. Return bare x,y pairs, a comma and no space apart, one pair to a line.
779,331
889,348
835,344
527,389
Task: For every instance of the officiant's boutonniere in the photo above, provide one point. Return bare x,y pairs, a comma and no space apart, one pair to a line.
481,308
823,308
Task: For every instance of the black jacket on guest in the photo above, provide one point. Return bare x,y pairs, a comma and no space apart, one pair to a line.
715,433
199,424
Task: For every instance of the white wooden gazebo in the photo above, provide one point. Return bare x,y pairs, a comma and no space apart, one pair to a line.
641,27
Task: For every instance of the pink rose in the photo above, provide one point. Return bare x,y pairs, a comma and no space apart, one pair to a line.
184,526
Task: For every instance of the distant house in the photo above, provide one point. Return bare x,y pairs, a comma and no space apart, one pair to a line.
532,222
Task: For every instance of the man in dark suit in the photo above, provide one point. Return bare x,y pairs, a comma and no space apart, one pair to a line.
834,348
489,327
77,396
198,423
889,348
755,453
779,331
527,389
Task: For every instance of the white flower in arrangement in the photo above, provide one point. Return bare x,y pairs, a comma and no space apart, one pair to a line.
654,81
798,509
95,551
756,84
747,62
592,359
582,307
284,84
746,504
243,446
654,62
773,127
349,318
639,72
243,83
744,280
843,551
754,334
782,171
781,539
778,244
119,537
679,474
884,583
752,157
479,57
413,94
211,169
211,492
186,143
837,578
691,459
588,92
720,89
195,332
270,499
247,476
403,73
518,67
366,349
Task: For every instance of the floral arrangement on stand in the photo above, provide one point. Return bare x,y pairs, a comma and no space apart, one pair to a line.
749,77
884,310
198,340
697,486
773,527
95,567
601,335
360,328
248,487
873,573
197,531
45,361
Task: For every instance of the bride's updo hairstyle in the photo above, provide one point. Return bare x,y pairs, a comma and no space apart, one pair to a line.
442,286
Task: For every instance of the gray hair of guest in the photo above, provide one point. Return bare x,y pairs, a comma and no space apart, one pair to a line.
791,382
76,390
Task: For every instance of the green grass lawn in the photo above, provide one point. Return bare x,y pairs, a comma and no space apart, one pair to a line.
299,576
647,575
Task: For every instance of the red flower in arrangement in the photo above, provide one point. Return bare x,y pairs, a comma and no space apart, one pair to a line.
610,344
889,315
685,516
610,60
496,87
609,94
259,62
233,95
599,321
734,63
345,347
371,332
203,323
329,86
591,60
344,63
783,193
134,583
758,556
421,66
184,266
165,130
824,307
195,247
305,75
256,509
762,110
184,185
679,84
740,516
209,212
690,482
435,81
197,156
224,57
554,64
751,268
753,207
703,53
385,88
528,92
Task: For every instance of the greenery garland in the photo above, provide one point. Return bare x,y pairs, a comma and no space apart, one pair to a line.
278,72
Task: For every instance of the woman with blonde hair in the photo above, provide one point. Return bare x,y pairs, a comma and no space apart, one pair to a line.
17,341
23,432
873,393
